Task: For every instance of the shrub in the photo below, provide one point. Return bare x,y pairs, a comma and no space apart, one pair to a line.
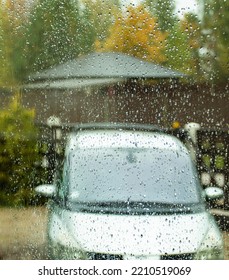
19,155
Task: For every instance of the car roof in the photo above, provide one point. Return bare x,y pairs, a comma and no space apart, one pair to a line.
121,135
116,126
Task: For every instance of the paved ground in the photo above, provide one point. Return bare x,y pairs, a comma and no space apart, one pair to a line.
226,244
22,234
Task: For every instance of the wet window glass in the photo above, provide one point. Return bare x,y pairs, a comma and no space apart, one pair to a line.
114,112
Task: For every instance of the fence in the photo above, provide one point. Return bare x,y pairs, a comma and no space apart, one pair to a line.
212,152
212,155
213,161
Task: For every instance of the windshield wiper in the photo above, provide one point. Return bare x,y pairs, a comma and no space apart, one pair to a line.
134,208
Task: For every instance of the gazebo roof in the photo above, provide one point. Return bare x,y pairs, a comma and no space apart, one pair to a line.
100,67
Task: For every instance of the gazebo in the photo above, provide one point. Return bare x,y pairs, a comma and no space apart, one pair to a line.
100,87
99,68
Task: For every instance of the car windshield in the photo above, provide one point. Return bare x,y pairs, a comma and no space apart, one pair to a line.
132,175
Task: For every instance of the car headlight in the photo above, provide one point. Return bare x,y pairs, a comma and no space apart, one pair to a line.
212,246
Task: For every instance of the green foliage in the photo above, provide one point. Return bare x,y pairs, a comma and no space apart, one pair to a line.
57,32
163,10
49,32
189,44
101,15
38,36
215,25
177,54
19,155
12,42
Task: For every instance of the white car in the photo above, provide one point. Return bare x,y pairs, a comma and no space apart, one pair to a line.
129,192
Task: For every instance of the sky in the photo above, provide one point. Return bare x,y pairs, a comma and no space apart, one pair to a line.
182,6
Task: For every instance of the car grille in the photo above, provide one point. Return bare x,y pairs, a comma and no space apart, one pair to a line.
100,256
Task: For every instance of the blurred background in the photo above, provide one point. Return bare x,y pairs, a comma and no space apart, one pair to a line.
36,37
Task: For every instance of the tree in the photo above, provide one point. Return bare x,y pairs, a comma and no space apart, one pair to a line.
215,32
3,62
12,30
190,26
178,54
101,15
163,10
57,32
39,35
136,33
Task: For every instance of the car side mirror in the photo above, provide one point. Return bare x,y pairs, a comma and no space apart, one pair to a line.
213,193
46,190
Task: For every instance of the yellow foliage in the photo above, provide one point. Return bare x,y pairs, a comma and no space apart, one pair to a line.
135,33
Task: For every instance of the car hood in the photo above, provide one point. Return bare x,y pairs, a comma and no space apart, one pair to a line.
137,235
